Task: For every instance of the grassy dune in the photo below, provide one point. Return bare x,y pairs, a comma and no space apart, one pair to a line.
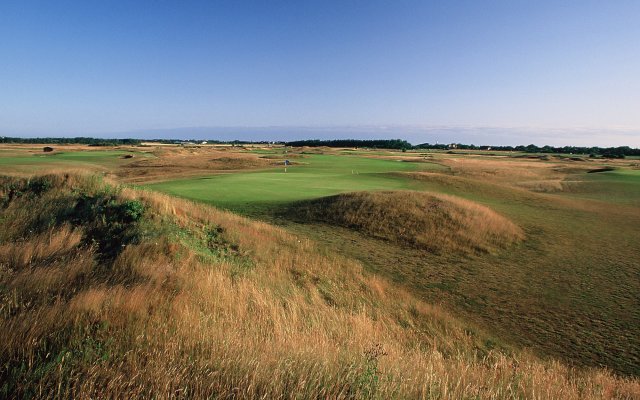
113,292
177,162
434,222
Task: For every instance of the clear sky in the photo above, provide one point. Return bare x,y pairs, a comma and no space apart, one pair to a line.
534,71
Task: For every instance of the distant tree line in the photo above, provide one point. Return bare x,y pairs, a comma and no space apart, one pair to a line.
609,152
77,140
396,144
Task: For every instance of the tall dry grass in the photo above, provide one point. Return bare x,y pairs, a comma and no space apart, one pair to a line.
210,305
436,222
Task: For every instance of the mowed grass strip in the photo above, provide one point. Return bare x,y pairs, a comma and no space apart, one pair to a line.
621,186
23,161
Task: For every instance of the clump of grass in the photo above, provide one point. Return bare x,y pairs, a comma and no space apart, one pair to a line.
168,315
436,222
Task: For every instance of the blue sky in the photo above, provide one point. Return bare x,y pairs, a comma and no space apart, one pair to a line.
494,71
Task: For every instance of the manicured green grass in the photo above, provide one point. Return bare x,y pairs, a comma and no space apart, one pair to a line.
71,156
618,186
24,161
30,162
314,176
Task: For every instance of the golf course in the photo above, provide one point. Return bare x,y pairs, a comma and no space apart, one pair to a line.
520,269
577,263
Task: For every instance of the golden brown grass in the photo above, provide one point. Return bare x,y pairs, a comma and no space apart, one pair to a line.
536,176
546,175
207,305
501,169
435,222
174,162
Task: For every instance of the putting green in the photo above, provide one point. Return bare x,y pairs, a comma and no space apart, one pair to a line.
313,176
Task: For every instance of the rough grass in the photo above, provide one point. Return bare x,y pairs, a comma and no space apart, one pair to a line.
566,292
435,222
199,303
176,162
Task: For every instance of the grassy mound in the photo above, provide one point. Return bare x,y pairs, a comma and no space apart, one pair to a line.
435,222
107,292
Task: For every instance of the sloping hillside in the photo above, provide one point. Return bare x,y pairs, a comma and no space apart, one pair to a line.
111,292
431,221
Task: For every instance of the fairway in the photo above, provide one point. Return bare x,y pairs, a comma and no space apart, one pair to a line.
617,186
313,176
28,161
72,156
